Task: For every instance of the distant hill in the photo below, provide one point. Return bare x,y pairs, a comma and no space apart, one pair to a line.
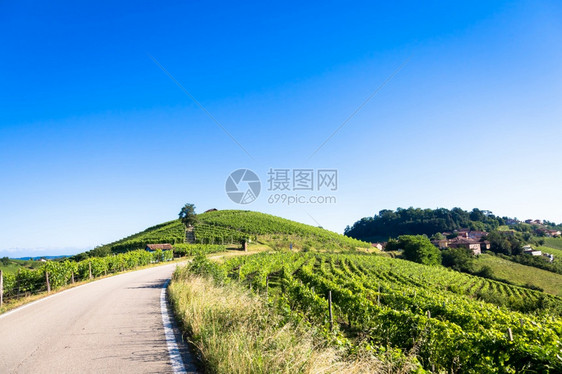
39,257
231,226
416,221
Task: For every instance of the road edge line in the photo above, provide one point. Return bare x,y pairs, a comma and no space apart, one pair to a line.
173,349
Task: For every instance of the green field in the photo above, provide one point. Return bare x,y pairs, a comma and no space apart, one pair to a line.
14,265
446,320
553,243
521,274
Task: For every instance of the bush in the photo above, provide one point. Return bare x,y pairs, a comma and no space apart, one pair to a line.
419,249
459,259
486,272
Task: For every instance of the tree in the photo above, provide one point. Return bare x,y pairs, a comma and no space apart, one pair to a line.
459,259
187,215
508,244
392,245
419,249
101,251
437,236
5,261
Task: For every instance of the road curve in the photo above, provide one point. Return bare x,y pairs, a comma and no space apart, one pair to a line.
113,325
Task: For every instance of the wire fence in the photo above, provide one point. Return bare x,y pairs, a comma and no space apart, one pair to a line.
56,274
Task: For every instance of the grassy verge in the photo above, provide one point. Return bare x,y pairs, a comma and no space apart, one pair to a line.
235,331
521,274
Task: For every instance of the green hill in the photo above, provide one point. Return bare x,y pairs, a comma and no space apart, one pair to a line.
231,226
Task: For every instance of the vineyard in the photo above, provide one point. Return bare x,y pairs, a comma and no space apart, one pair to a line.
169,232
211,234
56,274
233,225
230,227
452,322
197,249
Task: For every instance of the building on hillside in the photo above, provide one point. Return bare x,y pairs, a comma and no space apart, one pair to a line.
528,250
154,247
549,256
441,244
472,245
485,245
379,246
477,234
211,210
553,233
463,233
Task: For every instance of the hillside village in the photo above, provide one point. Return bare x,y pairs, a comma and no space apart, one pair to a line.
476,241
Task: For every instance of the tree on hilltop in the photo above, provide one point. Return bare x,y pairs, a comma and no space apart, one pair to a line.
187,215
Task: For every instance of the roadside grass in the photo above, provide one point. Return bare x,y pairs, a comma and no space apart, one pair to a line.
235,331
521,274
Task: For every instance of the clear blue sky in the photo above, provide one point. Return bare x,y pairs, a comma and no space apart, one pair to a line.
97,142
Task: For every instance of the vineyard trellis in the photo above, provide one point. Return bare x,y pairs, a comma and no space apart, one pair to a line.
430,311
56,274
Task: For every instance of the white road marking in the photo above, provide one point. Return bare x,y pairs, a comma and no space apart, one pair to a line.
173,350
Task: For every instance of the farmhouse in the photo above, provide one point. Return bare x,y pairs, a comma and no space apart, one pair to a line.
528,250
154,247
471,244
553,233
441,243
477,234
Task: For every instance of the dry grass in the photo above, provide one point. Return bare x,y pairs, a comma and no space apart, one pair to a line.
234,331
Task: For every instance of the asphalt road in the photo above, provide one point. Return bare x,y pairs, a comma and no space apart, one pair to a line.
113,325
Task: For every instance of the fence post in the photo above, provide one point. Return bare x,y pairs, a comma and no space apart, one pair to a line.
72,277
330,310
429,314
510,334
267,287
379,296
48,283
1,288
90,268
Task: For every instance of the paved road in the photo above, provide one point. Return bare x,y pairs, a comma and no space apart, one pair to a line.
113,325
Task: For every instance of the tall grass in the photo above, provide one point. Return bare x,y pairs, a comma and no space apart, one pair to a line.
234,331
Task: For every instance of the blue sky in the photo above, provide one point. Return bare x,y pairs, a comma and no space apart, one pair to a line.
97,142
